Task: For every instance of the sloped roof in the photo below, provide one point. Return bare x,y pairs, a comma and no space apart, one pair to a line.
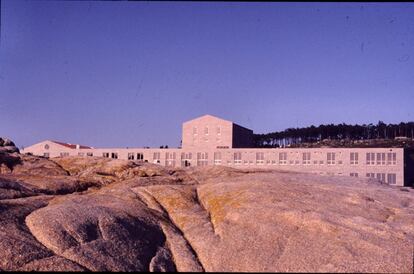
218,118
72,146
208,115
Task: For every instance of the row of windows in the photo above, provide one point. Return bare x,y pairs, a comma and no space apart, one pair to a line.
113,155
371,157
330,159
206,131
380,158
391,177
64,154
131,156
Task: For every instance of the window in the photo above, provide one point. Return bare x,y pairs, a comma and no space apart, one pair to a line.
170,159
206,130
273,162
237,158
140,156
282,158
380,158
105,154
46,154
218,131
81,154
371,175
353,174
63,154
194,130
131,156
391,158
217,158
89,154
202,158
330,159
306,158
156,157
321,162
259,158
392,178
186,159
354,158
381,177
370,158
114,155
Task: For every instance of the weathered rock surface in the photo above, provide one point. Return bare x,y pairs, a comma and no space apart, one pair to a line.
7,146
101,214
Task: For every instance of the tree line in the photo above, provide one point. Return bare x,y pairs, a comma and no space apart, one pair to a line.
314,134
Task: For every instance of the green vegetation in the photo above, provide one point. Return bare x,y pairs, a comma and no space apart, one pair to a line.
394,135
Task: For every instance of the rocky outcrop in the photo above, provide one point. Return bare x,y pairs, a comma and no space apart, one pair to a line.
7,146
130,216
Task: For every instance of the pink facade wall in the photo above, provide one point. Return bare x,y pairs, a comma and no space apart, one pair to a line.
207,132
209,140
315,160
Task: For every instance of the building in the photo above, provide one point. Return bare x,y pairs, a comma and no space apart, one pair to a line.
209,140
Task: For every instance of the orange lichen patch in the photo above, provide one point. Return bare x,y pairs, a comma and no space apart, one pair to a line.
174,199
182,220
218,205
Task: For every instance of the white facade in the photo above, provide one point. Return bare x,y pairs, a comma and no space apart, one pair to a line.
384,164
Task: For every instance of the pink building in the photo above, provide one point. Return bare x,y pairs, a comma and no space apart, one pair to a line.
209,140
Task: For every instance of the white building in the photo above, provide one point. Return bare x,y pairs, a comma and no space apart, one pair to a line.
209,140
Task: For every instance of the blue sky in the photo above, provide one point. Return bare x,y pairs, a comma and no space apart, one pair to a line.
127,74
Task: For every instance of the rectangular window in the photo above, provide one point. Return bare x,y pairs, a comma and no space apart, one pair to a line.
330,158
353,174
105,154
380,158
131,156
371,175
186,159
259,158
391,158
354,158
140,156
114,155
381,177
63,154
46,154
194,130
391,178
370,158
202,158
306,160
90,154
237,158
156,157
206,130
81,154
217,158
218,130
282,158
170,159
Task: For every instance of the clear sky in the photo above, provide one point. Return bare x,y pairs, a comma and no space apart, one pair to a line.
127,74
